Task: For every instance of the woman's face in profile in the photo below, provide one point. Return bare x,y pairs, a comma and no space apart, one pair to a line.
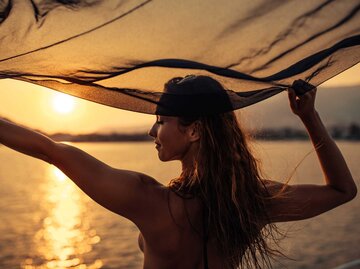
172,141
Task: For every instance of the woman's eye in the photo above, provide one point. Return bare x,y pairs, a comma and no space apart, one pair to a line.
159,120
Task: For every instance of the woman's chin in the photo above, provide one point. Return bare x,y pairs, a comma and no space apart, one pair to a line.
165,158
161,157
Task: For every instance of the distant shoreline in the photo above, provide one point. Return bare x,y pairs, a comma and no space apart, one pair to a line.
349,133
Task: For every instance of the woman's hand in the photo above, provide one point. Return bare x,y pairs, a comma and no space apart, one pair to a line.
302,105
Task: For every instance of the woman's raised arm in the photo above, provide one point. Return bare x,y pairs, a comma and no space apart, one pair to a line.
128,193
305,201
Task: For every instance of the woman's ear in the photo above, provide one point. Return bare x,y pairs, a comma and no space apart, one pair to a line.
194,131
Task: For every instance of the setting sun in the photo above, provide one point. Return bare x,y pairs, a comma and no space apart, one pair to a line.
63,103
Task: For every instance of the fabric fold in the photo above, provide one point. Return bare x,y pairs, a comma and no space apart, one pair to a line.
120,53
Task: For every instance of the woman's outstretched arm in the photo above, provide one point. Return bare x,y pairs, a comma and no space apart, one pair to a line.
25,140
128,193
305,201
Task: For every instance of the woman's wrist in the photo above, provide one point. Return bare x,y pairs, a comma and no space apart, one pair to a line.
310,117
315,128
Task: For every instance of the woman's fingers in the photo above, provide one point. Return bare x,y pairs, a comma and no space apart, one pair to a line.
304,103
313,92
306,96
309,97
292,99
301,87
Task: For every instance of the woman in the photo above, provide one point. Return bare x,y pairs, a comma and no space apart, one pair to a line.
219,211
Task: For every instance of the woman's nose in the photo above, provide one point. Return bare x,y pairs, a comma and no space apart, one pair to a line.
152,131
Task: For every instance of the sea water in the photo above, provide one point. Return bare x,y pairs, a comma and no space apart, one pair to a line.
46,221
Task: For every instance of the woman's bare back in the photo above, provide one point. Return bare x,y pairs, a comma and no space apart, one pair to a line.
180,244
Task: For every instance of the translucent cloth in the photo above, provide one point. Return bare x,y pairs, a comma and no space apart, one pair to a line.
120,53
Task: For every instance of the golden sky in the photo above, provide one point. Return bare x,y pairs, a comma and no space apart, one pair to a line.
34,106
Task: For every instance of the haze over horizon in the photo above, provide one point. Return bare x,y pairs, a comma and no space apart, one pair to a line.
336,106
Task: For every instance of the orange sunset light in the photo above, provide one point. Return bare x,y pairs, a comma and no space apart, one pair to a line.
63,103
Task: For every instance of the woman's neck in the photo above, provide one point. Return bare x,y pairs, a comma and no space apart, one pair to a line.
188,160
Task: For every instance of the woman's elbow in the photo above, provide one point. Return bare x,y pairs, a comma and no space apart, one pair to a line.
348,189
352,193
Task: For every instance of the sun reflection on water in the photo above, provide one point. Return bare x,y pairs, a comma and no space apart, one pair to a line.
65,236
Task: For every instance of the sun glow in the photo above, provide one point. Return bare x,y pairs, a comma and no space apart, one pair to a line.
63,103
58,174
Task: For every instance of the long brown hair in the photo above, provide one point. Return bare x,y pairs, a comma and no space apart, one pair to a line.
225,176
